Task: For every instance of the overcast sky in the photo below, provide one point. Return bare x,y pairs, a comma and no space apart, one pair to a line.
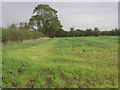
82,15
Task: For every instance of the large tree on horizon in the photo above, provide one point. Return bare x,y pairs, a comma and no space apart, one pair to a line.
45,20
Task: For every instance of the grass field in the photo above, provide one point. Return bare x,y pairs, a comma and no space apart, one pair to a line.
78,62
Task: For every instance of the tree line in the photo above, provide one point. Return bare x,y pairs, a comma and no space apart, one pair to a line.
88,32
45,22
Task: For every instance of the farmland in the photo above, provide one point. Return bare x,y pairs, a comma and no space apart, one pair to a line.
73,62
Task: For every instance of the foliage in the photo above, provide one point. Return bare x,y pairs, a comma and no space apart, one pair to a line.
45,20
77,62
96,32
24,25
89,32
12,26
9,35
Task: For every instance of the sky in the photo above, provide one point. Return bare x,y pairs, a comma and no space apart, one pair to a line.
80,15
0,14
59,0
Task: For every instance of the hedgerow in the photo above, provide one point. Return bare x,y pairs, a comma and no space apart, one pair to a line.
19,35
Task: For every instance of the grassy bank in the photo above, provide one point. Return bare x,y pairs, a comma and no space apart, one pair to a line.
83,62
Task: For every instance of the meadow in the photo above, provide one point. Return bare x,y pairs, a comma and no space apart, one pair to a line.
73,62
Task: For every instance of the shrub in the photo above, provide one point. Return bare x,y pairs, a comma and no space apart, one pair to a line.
19,35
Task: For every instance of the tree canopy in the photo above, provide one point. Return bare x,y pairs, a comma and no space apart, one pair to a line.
45,20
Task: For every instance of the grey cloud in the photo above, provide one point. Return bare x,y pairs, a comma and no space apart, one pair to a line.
79,15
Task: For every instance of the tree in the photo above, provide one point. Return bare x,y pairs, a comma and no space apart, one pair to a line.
71,33
88,32
45,20
12,26
96,31
79,32
24,25
117,32
72,29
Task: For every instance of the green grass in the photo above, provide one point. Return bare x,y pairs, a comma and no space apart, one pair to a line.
80,62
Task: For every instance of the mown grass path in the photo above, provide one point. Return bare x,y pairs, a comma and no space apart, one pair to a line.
84,62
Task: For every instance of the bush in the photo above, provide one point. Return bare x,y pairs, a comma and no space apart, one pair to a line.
19,35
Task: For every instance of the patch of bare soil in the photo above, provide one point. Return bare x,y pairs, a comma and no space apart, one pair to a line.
35,39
